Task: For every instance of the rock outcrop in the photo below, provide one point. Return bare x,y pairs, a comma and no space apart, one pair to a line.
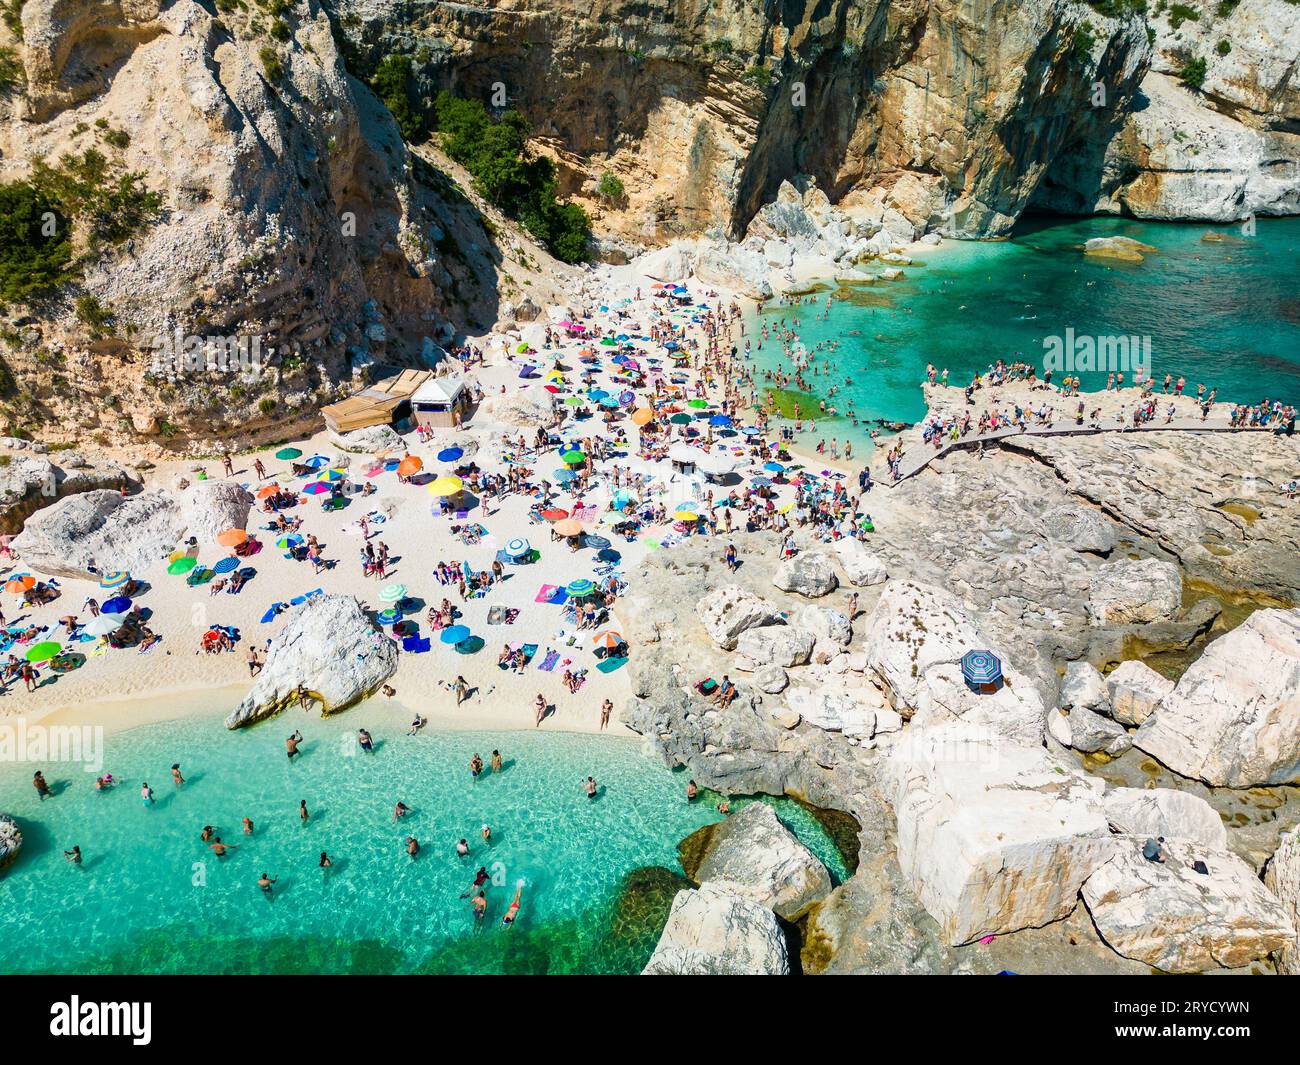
1233,720
993,837
208,508
368,441
330,648
1177,815
99,531
727,612
1172,917
1282,877
1134,590
716,932
754,855
809,573
11,841
1134,690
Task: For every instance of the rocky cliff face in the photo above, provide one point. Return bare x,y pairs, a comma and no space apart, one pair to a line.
945,114
1214,130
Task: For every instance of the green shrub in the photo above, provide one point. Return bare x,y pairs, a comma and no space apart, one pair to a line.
280,30
495,152
12,75
11,11
758,75
110,202
1180,13
390,83
1192,73
1084,40
609,188
1223,47
35,243
1118,8
92,314
1226,7
271,63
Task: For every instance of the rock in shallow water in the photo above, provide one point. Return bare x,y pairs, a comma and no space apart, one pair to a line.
1282,877
11,841
715,931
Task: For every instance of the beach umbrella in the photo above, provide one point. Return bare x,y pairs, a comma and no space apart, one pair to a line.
609,555
555,513
774,467
119,604
454,634
573,401
102,625
568,527
518,547
612,517
286,542
609,401
573,457
409,466
317,488
686,515
719,419
232,537
389,616
115,579
266,491
609,639
182,565
982,670
225,565
521,348
317,461
44,650
596,543
450,454
287,453
332,475
680,419
580,588
20,584
642,416
751,430
698,403
597,394
565,476
392,593
446,485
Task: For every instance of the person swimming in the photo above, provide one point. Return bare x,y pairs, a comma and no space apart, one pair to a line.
512,911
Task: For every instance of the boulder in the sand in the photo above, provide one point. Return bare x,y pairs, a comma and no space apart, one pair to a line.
716,932
96,532
331,648
1134,591
1151,812
773,645
754,855
210,507
1090,733
861,566
994,837
1134,690
1084,686
527,408
11,840
809,573
735,268
916,636
830,629
1168,915
672,263
728,611
1282,877
835,711
367,441
1233,719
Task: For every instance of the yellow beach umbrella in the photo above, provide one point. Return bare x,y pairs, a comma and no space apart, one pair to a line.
642,416
446,485
686,515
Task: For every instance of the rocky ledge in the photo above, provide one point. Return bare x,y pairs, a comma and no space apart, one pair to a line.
11,841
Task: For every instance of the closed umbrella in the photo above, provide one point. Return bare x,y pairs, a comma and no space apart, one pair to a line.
117,605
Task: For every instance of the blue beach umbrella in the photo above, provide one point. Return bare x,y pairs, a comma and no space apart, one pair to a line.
117,605
774,467
455,633
450,454
982,670
317,461
565,476
580,588
518,547
389,616
719,419
225,565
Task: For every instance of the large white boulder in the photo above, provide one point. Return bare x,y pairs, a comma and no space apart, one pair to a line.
1134,690
861,566
96,532
1170,916
916,637
773,645
993,837
1282,877
809,573
368,440
330,647
1133,591
1090,733
735,268
1084,686
1179,815
717,932
831,630
728,611
1233,720
11,840
525,408
211,507
756,856
846,711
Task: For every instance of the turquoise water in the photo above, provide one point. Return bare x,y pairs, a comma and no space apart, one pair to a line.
1223,313
152,898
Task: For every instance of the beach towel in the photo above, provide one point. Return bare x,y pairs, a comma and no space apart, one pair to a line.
611,664
530,649
548,663
416,644
546,592
496,615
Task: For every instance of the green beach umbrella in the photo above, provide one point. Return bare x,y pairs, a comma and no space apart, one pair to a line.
697,403
286,453
573,401
44,650
580,588
182,565
680,419
573,457
392,593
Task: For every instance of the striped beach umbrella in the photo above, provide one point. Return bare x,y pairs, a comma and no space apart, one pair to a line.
982,670
317,488
580,588
609,639
389,616
392,593
20,584
518,547
115,579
